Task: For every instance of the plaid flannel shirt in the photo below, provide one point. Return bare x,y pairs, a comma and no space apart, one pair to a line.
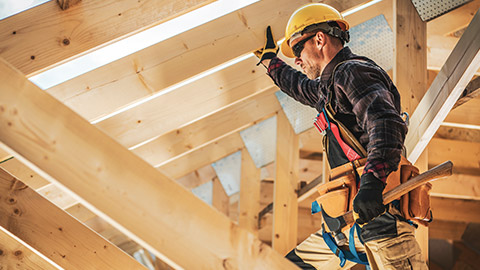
364,98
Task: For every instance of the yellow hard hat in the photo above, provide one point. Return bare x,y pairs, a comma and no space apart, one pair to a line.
307,15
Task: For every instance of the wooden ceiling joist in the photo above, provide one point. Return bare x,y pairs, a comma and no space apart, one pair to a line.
187,104
53,232
16,254
471,91
45,35
458,210
445,90
233,118
66,4
118,185
166,63
202,156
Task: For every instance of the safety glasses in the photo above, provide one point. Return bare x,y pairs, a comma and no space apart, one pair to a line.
298,48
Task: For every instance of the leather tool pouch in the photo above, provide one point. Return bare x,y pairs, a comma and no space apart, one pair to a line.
336,196
415,205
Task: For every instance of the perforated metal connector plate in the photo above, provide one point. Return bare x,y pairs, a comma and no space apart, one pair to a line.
261,141
228,171
430,9
300,116
373,39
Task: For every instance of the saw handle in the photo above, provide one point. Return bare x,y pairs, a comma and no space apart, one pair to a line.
443,170
440,171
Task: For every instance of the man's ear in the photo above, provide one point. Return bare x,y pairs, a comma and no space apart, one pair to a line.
320,39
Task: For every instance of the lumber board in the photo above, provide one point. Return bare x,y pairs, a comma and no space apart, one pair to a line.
202,156
237,116
464,155
453,20
44,36
57,196
445,90
463,186
53,232
459,210
169,62
66,4
220,198
16,254
467,113
186,104
450,230
197,177
249,204
285,205
456,133
410,57
471,91
28,176
119,186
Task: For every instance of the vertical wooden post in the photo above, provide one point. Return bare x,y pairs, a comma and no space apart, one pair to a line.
220,198
421,233
410,57
249,194
285,205
410,72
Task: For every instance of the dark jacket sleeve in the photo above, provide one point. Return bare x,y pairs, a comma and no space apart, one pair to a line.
294,83
376,105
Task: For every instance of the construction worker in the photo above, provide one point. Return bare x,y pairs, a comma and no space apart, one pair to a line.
362,98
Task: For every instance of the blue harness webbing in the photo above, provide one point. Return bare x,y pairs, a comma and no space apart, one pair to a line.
344,255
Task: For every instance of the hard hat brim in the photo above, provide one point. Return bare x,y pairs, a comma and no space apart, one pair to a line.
286,50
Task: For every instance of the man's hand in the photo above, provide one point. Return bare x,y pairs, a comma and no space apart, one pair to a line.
269,50
368,203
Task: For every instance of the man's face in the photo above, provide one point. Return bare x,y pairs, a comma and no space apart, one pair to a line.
306,55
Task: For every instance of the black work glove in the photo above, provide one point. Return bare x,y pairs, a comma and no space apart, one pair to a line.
269,50
368,203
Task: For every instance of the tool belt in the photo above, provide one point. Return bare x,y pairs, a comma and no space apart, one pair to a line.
336,196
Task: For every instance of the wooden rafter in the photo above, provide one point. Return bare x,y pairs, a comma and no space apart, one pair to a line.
53,232
178,58
233,118
45,35
66,4
131,194
445,90
16,254
471,91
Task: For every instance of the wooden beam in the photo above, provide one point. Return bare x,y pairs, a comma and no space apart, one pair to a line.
53,232
65,4
459,134
249,194
189,103
285,206
462,186
119,186
239,115
44,36
453,20
203,156
169,62
57,196
198,177
471,91
465,155
410,57
16,254
220,198
448,230
468,113
445,90
458,210
28,176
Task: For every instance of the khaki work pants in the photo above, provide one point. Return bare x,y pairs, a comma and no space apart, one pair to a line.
393,253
